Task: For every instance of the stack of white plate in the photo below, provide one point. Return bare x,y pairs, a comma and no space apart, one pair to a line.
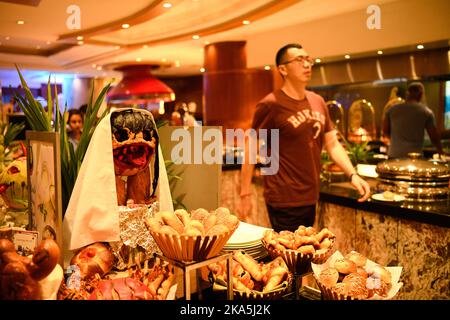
247,237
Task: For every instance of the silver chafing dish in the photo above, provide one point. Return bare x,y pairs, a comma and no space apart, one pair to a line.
416,179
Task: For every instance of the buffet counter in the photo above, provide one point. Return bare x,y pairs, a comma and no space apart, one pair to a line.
413,236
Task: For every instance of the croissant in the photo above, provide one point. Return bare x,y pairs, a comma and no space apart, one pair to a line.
172,220
249,264
274,277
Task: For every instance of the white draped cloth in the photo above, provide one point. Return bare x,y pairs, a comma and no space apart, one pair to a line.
93,212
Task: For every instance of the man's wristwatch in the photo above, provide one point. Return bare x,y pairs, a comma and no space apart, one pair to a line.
353,174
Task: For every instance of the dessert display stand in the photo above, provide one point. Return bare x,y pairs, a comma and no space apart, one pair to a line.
187,267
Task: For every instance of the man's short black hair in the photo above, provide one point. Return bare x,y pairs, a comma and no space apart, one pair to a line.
282,52
415,91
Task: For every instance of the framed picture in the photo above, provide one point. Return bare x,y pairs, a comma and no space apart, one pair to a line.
44,185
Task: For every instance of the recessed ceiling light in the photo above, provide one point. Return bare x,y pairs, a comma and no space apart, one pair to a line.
380,52
266,67
420,46
318,60
80,43
347,56
202,69
125,26
167,5
138,59
195,37
79,38
7,37
20,22
246,22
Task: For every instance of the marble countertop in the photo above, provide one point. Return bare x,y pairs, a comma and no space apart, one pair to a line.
342,193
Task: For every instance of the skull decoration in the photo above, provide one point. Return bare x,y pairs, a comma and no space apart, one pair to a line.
135,143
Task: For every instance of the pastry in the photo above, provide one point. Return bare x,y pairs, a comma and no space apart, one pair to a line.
379,272
357,258
249,264
344,267
170,219
329,277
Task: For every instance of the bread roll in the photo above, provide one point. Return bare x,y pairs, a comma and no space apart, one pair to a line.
356,288
183,215
222,211
345,266
197,225
192,232
362,272
306,249
357,258
199,214
377,286
217,230
329,277
168,230
231,221
170,219
209,222
153,224
341,288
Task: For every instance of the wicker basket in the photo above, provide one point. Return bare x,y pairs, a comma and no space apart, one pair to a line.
298,263
275,294
187,249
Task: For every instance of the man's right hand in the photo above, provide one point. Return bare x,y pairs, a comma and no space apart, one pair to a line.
245,207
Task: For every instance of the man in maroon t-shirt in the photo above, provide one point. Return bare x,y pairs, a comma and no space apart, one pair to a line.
304,125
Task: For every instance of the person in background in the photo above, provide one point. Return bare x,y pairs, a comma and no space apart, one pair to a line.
75,122
83,109
405,124
304,127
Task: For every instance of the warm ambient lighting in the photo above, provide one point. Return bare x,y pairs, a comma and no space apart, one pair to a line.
7,37
420,46
99,68
196,37
379,52
202,69
117,47
125,26
206,42
145,46
80,43
48,42
167,5
79,38
245,22
177,63
318,60
94,65
20,22
38,47
138,59
164,60
266,67
347,56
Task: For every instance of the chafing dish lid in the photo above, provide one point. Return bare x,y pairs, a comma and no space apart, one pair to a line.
412,168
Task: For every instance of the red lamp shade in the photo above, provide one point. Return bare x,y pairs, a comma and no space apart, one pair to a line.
138,86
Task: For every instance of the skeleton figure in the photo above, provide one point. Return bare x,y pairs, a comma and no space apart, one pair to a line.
135,144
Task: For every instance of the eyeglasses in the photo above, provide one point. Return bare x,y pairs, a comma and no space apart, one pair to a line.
301,60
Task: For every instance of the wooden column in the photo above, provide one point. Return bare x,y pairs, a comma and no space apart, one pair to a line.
231,90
